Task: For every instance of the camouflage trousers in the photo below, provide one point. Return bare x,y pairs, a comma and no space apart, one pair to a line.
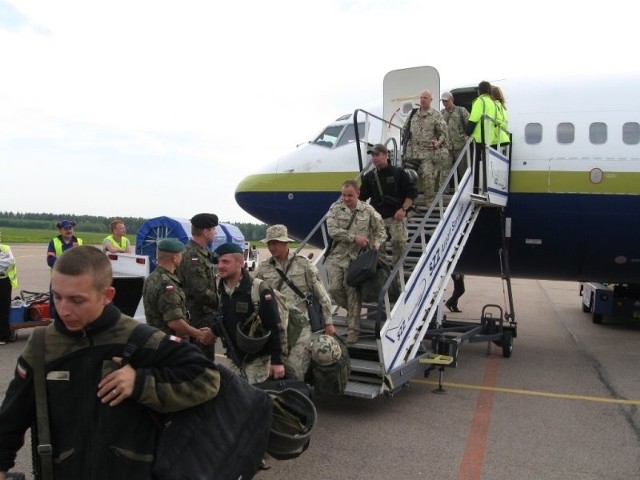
257,370
200,322
398,235
453,156
297,362
434,170
344,295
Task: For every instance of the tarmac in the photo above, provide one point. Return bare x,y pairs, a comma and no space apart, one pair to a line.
564,406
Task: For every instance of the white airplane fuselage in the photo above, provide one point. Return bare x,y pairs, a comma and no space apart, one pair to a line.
573,210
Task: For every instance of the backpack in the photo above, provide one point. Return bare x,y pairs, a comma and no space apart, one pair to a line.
331,379
292,320
225,437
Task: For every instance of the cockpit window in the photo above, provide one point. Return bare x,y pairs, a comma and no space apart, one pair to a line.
329,136
349,134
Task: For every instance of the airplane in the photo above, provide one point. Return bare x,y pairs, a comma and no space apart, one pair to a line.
573,209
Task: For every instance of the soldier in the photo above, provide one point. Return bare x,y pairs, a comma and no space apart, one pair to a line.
456,118
259,354
426,135
197,275
164,302
352,225
392,193
113,434
304,277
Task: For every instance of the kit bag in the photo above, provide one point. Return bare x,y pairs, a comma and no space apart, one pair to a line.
223,438
362,268
331,379
371,288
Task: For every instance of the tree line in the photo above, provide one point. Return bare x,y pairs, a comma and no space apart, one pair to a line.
91,223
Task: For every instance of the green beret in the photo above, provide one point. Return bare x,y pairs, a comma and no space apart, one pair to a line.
171,245
204,220
228,247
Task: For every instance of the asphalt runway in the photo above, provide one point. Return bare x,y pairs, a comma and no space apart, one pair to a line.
564,406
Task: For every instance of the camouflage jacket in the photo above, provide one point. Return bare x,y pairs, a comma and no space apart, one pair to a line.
164,299
367,222
424,128
197,277
303,274
92,439
456,121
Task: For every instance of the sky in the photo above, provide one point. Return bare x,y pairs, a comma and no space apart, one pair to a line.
149,108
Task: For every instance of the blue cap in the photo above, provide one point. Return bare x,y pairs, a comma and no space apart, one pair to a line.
228,247
171,245
65,224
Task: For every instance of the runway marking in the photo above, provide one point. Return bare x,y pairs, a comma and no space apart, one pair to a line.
517,391
473,458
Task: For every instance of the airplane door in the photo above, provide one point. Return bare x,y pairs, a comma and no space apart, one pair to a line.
401,93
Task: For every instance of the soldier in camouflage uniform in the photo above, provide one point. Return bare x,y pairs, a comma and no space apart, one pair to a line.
352,225
164,301
456,118
103,417
306,278
392,193
427,136
197,275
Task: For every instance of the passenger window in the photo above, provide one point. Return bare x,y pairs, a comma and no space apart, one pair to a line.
533,133
631,133
566,133
598,133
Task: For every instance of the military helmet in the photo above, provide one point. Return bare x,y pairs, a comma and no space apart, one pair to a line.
413,175
325,350
294,417
253,340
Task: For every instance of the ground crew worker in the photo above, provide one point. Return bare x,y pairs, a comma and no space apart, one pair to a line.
63,242
8,281
304,276
352,225
426,138
237,305
456,118
501,135
392,193
163,297
102,414
480,126
197,275
117,242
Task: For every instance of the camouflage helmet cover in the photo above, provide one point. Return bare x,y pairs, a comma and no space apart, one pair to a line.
325,350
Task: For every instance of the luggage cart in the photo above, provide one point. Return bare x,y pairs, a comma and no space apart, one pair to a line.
33,311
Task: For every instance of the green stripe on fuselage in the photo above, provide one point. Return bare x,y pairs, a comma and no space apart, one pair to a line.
521,182
574,182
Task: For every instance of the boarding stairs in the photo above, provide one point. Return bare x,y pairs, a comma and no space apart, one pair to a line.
390,347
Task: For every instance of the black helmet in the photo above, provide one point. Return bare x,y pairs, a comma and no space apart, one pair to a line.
252,341
413,175
294,416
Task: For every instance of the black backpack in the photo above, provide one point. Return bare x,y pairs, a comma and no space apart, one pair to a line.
223,438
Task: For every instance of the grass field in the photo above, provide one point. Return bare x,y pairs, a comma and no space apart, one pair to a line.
27,235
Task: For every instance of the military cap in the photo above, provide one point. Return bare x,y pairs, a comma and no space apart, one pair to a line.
228,247
277,232
379,148
65,224
445,96
325,350
204,220
171,245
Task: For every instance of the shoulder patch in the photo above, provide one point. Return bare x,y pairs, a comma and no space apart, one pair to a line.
268,297
21,371
169,288
173,338
195,260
